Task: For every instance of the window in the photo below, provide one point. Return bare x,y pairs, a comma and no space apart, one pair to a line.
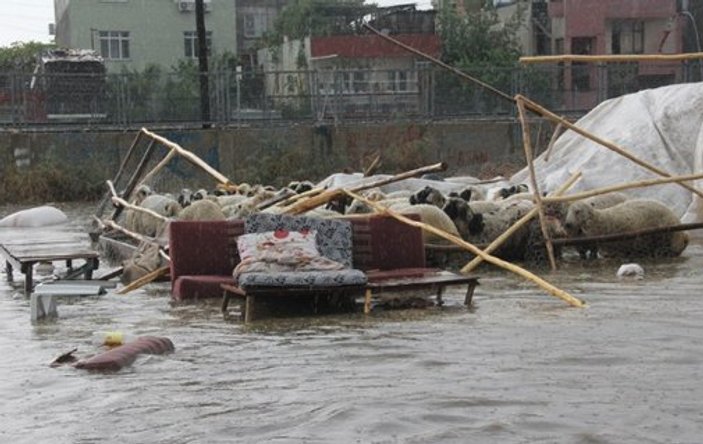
190,42
627,37
397,81
254,25
114,45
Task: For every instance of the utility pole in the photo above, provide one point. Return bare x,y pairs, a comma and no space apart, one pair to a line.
202,63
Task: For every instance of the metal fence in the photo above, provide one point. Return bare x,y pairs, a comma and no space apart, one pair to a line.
154,97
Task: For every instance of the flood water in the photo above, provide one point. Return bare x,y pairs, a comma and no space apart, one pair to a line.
522,368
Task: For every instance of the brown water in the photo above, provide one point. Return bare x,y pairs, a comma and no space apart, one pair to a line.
522,368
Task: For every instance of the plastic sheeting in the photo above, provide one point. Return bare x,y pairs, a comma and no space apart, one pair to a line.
662,126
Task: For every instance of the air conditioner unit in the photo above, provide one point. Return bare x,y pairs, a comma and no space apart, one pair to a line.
189,6
186,6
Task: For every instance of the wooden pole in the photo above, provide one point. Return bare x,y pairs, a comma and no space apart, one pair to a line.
159,166
219,177
118,200
329,195
438,62
375,164
138,171
142,281
613,58
497,242
536,108
628,235
627,186
203,68
527,145
120,172
552,142
549,288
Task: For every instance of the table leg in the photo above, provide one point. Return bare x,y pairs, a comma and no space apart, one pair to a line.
367,301
8,271
225,301
28,278
249,309
468,300
92,264
440,293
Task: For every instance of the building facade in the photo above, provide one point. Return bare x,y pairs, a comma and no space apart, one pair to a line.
254,19
132,34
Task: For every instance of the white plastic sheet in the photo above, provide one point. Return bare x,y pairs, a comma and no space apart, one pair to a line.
662,126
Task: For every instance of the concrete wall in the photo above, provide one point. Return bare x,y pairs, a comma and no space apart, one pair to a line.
276,155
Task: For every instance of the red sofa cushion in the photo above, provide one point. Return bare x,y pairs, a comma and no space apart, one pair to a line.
204,247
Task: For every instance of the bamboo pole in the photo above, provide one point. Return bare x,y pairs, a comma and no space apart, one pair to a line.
438,62
538,109
159,166
375,164
527,145
549,288
329,195
612,58
189,156
159,272
626,186
628,235
552,141
497,242
120,171
293,199
118,200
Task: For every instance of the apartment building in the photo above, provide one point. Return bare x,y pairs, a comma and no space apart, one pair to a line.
135,33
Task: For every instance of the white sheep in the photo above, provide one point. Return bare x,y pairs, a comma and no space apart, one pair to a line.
147,224
629,216
598,202
202,210
430,215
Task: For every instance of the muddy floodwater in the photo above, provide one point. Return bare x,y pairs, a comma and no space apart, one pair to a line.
522,368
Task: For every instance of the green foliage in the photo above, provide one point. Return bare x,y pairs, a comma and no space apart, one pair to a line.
302,18
482,45
21,56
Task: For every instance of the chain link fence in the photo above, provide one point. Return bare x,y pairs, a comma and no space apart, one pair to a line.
129,100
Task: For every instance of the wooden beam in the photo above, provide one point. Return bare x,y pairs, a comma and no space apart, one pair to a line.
549,288
614,58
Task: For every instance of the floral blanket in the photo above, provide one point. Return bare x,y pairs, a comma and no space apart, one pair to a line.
281,251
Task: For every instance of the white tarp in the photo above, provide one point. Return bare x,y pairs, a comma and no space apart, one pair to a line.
663,127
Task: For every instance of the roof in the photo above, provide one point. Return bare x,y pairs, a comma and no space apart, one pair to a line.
71,55
372,46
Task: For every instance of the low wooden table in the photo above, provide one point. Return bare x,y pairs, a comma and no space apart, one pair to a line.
274,295
24,254
433,280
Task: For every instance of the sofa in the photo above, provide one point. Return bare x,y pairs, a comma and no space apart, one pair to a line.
388,253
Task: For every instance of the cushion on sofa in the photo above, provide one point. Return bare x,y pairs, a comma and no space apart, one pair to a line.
334,237
337,278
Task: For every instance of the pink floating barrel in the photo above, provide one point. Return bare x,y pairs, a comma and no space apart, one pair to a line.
125,355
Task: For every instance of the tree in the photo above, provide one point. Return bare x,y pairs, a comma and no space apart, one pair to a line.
483,45
302,18
21,56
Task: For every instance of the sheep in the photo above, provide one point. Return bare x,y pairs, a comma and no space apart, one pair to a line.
185,197
142,192
482,228
599,202
430,215
469,193
631,215
359,207
149,225
231,199
428,195
506,192
202,210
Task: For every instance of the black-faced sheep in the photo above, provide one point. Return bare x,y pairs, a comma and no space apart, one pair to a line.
428,195
629,216
482,228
